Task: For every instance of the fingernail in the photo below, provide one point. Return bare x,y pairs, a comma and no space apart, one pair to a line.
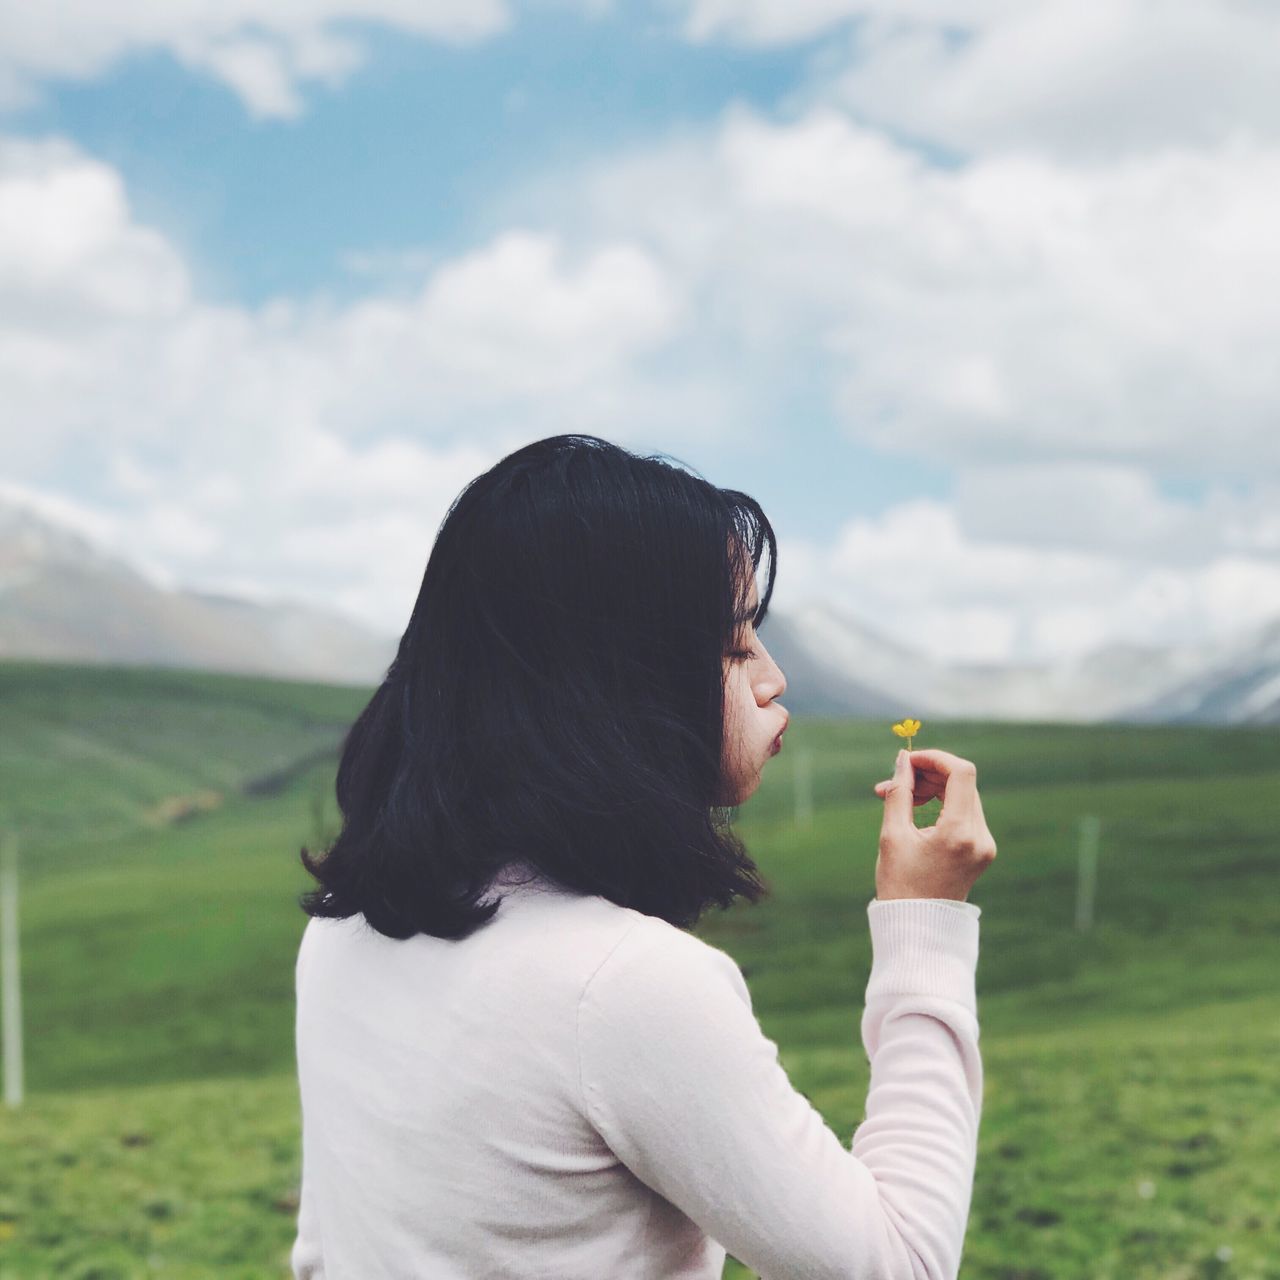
902,755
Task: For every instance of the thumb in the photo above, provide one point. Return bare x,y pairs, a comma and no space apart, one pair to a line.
898,799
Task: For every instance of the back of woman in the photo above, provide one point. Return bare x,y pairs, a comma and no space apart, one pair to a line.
440,1080
514,1059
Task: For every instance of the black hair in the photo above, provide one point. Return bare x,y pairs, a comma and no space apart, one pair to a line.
557,699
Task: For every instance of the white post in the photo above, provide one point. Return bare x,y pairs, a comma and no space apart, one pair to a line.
1087,872
804,787
10,988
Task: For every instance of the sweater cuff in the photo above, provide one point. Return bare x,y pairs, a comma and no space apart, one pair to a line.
924,946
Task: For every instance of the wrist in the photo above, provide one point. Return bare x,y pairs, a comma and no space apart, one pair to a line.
929,894
924,946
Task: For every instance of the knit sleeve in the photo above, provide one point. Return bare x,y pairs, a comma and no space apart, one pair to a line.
679,1079
306,1257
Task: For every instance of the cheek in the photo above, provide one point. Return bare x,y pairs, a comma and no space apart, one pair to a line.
738,701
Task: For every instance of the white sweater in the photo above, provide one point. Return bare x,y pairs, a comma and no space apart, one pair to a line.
579,1091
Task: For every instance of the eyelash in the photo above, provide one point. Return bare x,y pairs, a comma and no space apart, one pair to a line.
744,654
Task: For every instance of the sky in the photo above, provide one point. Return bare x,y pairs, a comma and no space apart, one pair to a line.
979,299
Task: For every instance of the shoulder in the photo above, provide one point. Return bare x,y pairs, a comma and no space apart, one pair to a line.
618,952
662,1014
653,962
323,939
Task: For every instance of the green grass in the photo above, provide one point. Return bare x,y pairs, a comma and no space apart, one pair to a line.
88,754
184,1181
1131,1110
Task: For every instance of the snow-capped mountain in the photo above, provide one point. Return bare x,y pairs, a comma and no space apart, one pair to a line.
836,664
64,599
1238,687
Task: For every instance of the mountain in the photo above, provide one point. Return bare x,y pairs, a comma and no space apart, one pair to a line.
836,664
1241,687
63,599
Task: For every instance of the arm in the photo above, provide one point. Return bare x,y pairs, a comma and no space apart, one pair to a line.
306,1258
680,1080
924,1102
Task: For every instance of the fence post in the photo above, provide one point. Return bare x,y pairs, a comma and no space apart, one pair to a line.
803,774
1087,872
10,986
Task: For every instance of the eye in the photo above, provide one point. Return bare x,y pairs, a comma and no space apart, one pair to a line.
746,653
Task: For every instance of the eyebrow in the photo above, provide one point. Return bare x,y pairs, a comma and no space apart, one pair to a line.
749,616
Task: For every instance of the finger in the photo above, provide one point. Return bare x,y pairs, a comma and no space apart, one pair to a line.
960,782
931,781
898,797
925,789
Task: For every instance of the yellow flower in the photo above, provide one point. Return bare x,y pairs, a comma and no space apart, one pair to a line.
907,729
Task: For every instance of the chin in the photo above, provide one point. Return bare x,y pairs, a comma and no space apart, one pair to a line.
742,789
730,799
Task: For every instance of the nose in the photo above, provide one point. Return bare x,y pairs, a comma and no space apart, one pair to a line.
774,685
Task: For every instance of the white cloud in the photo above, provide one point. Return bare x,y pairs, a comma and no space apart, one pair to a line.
1062,330
61,510
256,70
1012,308
69,248
343,527
1116,510
1066,77
389,268
265,51
354,526
98,328
916,574
767,22
310,447
1071,78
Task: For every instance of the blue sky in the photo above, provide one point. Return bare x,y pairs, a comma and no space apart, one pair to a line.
417,148
427,148
984,362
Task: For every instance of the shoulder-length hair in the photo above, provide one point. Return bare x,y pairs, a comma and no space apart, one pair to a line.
557,699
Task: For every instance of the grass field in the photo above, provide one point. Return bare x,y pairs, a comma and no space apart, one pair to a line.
1132,1109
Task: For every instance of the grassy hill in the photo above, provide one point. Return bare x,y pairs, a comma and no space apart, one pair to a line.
92,756
1131,1111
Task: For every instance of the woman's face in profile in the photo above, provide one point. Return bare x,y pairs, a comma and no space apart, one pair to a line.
753,721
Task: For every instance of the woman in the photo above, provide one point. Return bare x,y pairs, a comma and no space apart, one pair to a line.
514,1059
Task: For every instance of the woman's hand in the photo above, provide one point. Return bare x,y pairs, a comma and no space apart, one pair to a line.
941,861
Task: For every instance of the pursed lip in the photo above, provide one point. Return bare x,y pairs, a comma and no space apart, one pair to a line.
777,742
